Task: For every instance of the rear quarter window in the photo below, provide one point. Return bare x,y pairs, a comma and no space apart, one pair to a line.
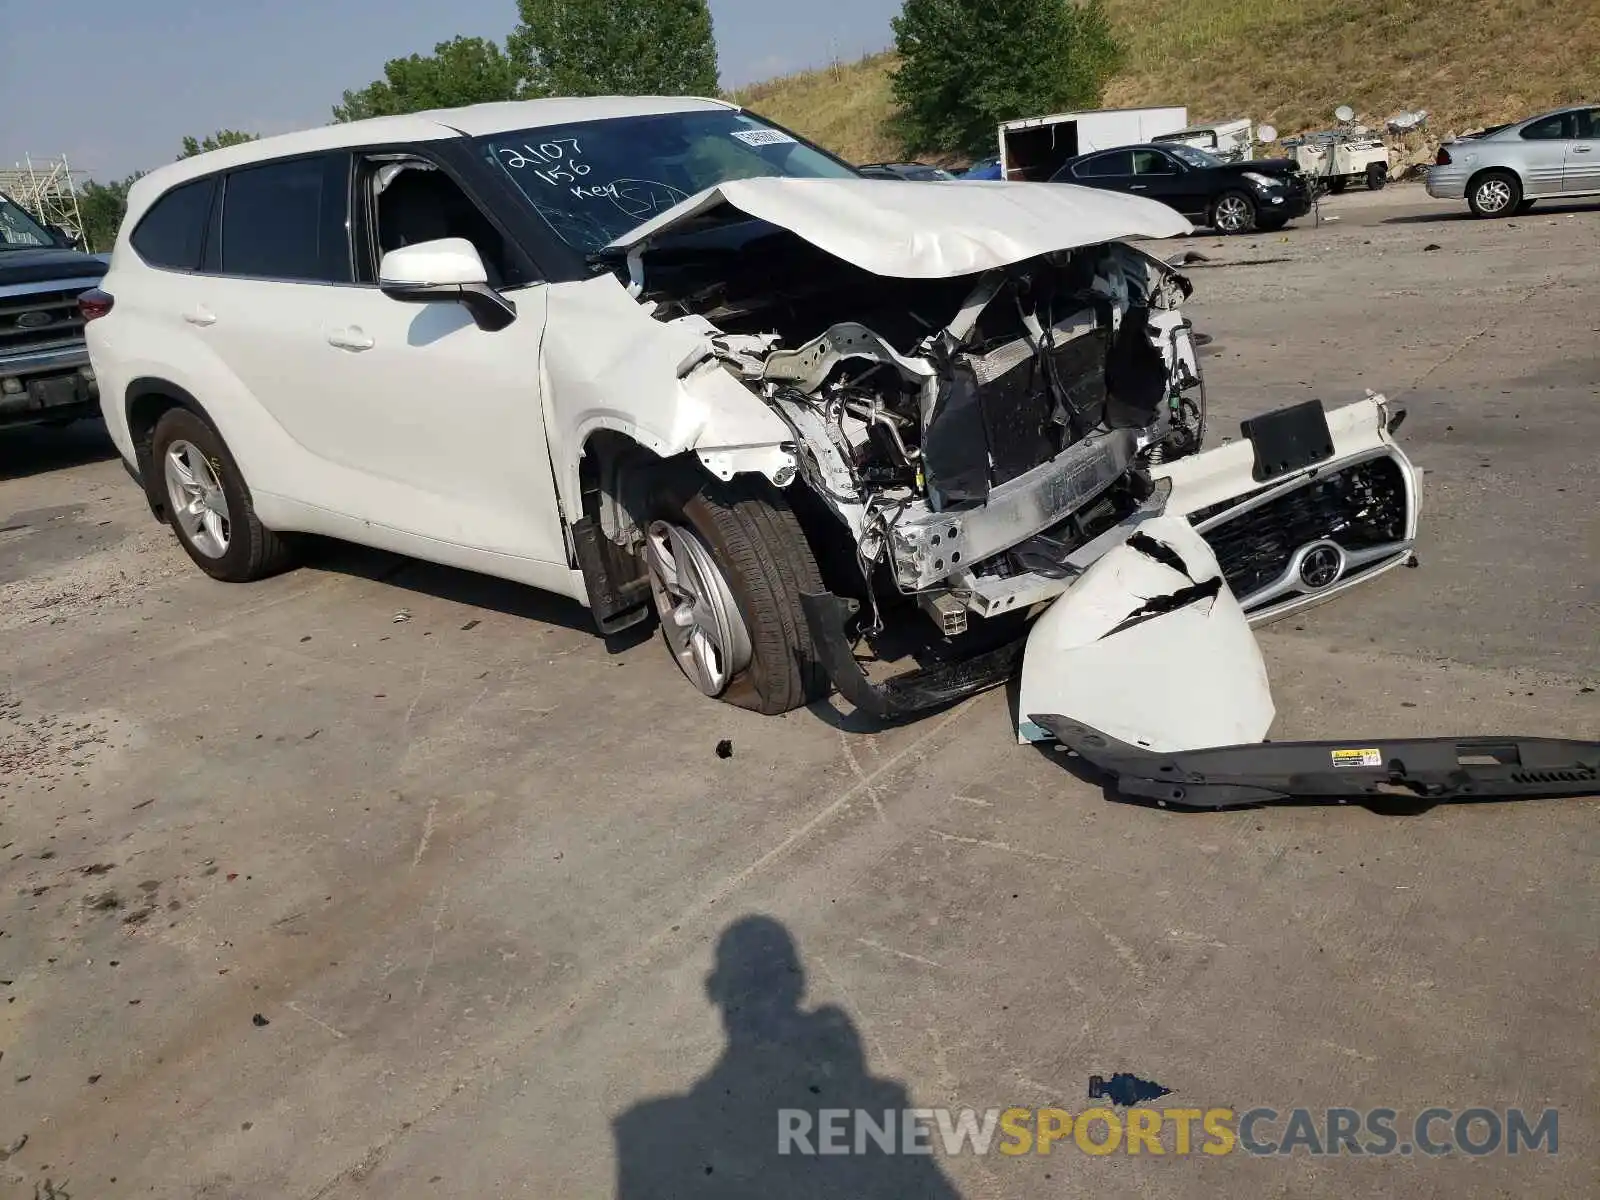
172,233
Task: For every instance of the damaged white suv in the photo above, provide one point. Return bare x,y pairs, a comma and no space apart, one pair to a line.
670,360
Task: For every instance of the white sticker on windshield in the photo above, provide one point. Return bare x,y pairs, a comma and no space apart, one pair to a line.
763,137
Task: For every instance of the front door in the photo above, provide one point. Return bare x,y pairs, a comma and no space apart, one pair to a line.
404,416
1161,177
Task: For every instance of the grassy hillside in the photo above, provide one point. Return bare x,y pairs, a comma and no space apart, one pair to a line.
1290,62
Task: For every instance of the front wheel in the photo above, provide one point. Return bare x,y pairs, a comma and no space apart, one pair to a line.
1234,212
1494,194
727,565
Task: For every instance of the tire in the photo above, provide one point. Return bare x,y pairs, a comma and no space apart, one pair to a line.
248,550
1494,194
762,563
1229,203
1337,184
1377,176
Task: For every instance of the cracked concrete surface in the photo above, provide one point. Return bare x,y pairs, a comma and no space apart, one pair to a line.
474,880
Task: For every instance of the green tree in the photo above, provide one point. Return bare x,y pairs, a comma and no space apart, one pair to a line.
968,65
615,47
462,71
102,207
215,141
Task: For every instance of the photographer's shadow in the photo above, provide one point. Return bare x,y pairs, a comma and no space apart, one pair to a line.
720,1141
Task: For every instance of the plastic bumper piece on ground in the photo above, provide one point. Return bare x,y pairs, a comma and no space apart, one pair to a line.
1470,768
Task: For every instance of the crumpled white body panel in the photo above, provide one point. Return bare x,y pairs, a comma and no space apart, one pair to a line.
912,230
1181,680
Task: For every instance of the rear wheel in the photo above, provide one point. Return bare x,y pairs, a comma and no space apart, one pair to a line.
1234,212
727,564
208,504
1377,176
1494,194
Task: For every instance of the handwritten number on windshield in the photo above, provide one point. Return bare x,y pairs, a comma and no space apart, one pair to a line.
556,162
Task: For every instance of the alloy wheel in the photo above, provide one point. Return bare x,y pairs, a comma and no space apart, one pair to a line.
1233,214
1494,195
197,499
703,627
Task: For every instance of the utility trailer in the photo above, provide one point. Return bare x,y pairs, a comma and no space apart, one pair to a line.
1034,148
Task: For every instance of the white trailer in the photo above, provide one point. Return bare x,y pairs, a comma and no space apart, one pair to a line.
1033,149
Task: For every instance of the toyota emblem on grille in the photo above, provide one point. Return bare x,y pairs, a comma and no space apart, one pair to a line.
1321,565
33,320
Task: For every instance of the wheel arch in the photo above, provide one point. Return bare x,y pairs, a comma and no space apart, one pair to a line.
146,400
1496,169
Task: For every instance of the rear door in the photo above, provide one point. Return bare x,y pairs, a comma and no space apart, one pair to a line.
1582,172
1542,152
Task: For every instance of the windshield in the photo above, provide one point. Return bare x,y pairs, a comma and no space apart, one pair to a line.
1190,156
593,181
18,229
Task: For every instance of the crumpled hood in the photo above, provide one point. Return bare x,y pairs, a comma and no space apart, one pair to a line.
912,230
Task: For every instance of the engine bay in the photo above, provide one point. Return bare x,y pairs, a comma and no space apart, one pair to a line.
965,430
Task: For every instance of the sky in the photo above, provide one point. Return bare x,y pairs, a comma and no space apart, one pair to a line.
116,84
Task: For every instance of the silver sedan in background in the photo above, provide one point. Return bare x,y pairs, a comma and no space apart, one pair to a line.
1503,170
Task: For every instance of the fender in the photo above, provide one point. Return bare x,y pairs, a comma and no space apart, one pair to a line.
606,363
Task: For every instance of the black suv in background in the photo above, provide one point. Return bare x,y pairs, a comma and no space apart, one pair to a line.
45,377
1232,197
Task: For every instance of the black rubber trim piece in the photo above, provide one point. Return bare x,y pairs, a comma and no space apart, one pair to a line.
1288,439
1468,768
916,691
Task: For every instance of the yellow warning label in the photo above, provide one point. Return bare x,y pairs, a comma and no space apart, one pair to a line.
1358,758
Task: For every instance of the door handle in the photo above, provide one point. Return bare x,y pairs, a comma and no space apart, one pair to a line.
1582,149
350,339
200,315
1139,187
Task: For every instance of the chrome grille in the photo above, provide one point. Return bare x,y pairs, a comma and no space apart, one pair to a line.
40,320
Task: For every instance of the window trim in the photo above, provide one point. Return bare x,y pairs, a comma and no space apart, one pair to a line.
212,179
364,233
343,152
1569,127
1176,165
1077,171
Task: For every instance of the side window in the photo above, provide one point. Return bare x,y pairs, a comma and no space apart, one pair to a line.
173,231
1118,162
1550,128
288,220
1153,162
1589,123
413,201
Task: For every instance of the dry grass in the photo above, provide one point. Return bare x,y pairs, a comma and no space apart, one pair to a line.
845,107
1290,62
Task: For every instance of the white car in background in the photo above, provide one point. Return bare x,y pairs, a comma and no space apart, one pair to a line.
670,360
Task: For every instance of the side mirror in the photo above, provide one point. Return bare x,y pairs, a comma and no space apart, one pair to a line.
446,269
63,239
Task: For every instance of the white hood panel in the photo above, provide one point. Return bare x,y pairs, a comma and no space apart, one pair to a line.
912,230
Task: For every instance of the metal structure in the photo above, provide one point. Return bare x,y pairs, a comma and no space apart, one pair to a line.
47,191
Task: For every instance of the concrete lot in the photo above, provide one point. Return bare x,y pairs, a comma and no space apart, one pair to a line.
471,870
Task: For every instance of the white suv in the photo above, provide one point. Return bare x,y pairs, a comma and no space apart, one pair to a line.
669,359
